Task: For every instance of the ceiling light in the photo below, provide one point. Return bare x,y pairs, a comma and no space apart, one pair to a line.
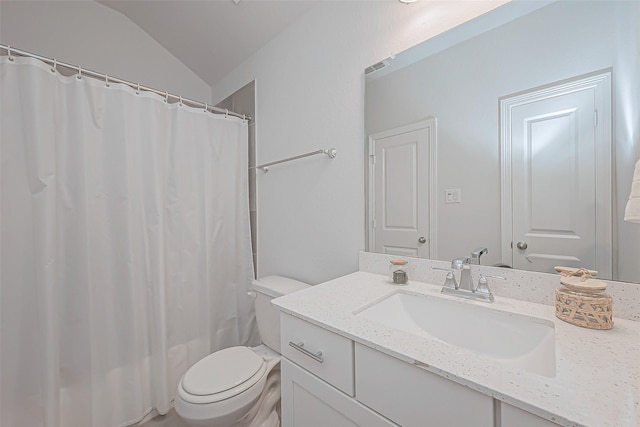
407,1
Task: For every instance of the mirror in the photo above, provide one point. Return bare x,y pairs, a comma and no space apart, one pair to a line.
457,82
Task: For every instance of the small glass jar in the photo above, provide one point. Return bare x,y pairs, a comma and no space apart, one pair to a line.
399,269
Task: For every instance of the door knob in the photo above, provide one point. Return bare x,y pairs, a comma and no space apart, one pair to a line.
522,245
422,240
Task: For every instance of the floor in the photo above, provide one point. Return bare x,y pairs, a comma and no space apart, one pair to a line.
169,420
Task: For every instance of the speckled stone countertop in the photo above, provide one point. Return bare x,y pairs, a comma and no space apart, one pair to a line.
597,381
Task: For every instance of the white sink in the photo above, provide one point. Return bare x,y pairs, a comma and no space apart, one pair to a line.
521,342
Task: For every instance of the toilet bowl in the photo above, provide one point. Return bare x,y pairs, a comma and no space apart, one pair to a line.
240,386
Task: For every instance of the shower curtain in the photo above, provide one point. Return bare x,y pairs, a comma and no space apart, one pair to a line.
125,247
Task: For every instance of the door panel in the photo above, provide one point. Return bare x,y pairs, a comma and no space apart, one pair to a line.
554,170
401,181
398,157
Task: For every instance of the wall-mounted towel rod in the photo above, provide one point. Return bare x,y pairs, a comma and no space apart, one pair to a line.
331,152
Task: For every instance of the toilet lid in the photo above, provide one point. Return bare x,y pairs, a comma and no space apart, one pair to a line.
221,371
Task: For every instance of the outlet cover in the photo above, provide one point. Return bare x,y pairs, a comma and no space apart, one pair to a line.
453,196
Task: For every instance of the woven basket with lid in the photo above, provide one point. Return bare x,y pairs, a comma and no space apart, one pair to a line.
582,301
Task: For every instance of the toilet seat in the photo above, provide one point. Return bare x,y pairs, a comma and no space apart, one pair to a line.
222,375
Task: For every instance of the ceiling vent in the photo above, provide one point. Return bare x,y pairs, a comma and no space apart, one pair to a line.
375,67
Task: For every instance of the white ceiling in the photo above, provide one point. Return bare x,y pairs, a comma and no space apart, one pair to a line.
212,37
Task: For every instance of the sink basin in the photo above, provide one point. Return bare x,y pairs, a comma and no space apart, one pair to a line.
519,341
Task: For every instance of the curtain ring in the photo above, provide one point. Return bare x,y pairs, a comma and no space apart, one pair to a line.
106,80
54,67
79,76
9,53
166,97
180,104
226,113
244,117
138,89
206,107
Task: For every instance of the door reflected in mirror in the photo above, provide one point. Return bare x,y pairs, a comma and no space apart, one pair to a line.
460,80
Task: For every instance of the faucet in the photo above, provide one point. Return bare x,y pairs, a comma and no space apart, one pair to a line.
464,266
466,289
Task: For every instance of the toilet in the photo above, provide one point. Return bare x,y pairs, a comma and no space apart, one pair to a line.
240,386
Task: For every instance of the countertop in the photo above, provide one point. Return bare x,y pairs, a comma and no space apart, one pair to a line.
597,381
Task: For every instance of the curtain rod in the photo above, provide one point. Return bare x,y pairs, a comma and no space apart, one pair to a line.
137,86
331,152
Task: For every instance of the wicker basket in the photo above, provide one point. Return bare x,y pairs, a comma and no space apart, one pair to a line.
588,311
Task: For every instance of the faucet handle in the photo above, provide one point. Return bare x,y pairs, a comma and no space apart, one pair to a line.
450,280
483,284
493,277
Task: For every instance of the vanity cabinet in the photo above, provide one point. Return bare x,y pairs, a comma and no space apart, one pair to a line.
330,381
412,396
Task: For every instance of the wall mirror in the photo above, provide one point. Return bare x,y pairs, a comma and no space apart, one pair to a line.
516,128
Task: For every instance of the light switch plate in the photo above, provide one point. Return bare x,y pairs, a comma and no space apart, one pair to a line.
453,196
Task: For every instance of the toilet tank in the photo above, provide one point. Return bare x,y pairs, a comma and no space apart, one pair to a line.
267,315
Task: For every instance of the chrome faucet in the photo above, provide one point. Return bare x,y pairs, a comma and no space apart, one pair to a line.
466,289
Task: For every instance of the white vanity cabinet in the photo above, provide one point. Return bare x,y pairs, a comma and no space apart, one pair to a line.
382,355
328,380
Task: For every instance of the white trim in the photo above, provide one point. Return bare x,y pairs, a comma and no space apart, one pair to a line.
601,83
431,124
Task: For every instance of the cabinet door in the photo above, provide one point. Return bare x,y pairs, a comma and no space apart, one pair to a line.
414,397
307,401
514,417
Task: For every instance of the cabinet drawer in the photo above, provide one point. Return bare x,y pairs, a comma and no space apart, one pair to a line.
301,341
411,396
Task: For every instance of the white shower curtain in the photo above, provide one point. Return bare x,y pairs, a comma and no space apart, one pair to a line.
125,247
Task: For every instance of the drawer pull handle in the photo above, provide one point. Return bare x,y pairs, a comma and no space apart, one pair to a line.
300,347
